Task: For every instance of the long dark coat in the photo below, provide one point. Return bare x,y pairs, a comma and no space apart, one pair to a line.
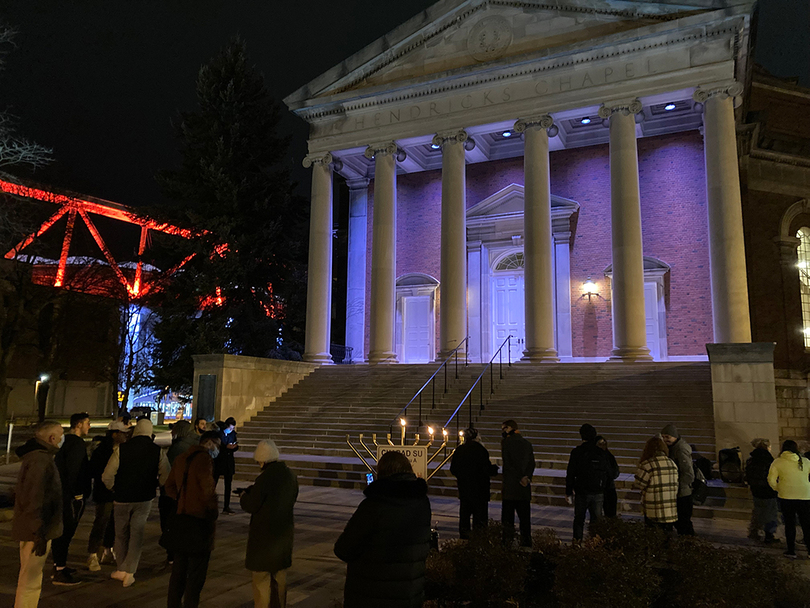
270,502
518,462
385,545
472,468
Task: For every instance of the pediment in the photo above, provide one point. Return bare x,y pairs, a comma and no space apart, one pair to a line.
459,37
509,202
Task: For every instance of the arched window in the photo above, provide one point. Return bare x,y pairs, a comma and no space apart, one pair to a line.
804,279
514,262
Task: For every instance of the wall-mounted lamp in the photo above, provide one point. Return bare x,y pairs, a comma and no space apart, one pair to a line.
589,289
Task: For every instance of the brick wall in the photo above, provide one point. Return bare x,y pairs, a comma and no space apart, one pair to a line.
673,207
793,405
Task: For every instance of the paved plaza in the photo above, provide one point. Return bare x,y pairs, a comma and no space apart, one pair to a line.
316,577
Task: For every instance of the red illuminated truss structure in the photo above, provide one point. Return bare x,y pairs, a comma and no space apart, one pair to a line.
74,207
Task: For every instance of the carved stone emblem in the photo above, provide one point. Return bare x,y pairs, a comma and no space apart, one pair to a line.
489,38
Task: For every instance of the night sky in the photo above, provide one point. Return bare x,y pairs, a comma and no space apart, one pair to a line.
101,80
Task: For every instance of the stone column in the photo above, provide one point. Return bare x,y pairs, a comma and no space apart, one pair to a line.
629,324
356,268
538,253
562,258
383,254
319,274
732,323
453,295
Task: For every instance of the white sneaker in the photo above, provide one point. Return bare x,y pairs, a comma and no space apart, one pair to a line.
118,575
92,563
129,579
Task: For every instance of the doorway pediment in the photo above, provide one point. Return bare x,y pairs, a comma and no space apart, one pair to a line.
508,202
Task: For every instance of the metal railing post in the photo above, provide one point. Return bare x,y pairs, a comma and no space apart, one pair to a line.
445,377
509,350
456,365
433,398
500,363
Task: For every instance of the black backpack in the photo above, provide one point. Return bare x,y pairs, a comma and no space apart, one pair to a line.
596,470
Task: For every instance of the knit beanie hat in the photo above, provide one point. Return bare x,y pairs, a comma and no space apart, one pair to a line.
670,430
266,451
143,428
587,432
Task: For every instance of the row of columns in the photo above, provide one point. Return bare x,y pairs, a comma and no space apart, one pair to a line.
726,243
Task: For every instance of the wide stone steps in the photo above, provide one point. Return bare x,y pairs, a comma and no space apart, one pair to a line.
627,403
548,486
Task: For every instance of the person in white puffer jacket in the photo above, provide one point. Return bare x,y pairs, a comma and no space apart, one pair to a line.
789,475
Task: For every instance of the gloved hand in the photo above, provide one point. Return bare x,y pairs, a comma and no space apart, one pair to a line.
40,546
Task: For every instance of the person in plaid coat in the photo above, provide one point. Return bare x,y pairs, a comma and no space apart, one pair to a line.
657,478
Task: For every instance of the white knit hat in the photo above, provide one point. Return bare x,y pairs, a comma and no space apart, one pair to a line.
143,428
266,451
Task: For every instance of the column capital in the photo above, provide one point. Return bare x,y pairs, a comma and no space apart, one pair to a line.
721,90
459,136
385,148
623,106
322,158
542,121
358,184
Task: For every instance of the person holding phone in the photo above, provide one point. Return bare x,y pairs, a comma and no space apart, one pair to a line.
225,464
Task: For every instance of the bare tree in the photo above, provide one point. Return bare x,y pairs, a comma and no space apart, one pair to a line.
21,301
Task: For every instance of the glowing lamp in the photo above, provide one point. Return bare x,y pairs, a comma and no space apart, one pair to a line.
585,121
589,289
44,378
444,432
507,134
430,431
435,146
461,433
669,107
402,421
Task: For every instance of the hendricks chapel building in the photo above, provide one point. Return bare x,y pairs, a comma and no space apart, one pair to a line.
564,173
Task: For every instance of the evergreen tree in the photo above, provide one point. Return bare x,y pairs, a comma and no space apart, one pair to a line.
235,294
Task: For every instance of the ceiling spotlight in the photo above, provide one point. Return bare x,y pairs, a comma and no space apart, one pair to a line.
435,146
669,107
585,121
507,134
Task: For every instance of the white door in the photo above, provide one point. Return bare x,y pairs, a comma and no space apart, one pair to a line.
416,332
651,319
507,313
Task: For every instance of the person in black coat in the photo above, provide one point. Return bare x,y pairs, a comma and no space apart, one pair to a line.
472,468
610,507
103,532
516,491
74,471
764,515
387,540
225,465
270,502
586,479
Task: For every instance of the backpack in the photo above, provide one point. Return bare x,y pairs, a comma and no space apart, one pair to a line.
730,465
596,471
700,491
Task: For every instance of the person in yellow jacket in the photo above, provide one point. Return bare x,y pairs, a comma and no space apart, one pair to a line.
789,475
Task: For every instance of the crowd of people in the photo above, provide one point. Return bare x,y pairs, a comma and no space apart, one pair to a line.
387,540
124,471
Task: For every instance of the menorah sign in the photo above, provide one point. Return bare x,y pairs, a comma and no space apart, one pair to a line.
418,454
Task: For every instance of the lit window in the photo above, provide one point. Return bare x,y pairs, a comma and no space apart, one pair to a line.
804,279
515,261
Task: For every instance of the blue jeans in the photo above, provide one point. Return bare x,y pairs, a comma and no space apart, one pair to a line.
591,503
130,521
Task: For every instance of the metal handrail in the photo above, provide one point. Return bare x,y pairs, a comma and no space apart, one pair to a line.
499,354
403,412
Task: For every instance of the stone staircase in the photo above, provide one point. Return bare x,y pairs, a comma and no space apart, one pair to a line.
627,403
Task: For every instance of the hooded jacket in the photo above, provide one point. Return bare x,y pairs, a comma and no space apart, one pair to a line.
790,481
386,543
757,468
184,438
38,494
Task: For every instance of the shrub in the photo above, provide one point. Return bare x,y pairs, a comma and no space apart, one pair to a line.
481,571
634,539
594,575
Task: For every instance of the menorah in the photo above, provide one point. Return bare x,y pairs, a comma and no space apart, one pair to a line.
417,453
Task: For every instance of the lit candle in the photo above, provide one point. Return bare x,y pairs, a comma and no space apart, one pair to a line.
402,423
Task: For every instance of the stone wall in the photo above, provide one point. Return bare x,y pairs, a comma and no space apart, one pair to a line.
793,403
674,223
246,385
65,397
